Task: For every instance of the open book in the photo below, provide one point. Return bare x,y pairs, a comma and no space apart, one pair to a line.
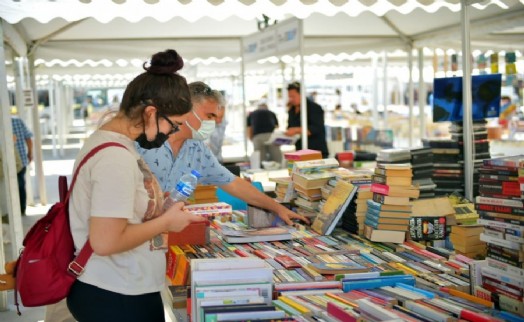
279,138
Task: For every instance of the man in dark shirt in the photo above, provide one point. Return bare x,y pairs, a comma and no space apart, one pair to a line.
315,121
260,124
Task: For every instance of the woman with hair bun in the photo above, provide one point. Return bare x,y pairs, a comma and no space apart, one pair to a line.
117,202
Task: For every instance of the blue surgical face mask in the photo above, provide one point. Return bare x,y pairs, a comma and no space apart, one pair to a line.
204,132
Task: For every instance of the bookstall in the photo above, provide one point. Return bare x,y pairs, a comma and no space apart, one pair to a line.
378,248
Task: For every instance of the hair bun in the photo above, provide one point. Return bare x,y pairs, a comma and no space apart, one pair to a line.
165,62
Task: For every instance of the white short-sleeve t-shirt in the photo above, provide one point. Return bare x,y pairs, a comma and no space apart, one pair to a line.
113,184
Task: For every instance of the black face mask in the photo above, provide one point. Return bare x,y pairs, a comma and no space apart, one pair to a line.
157,142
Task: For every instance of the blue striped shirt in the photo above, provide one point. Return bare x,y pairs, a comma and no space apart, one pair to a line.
193,155
22,133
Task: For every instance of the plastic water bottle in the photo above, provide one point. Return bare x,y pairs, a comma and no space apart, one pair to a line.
183,189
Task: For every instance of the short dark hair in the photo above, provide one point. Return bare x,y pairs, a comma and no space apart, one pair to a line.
160,85
294,85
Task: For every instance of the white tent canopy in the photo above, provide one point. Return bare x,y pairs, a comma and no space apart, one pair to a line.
113,34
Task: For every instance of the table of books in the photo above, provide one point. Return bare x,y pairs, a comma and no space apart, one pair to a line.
341,277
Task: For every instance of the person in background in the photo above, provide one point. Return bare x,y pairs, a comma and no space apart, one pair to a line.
315,121
118,205
216,139
24,146
260,124
186,151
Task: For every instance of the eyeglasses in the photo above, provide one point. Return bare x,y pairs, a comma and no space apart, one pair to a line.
174,127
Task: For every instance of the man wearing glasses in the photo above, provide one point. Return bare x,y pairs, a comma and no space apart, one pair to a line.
186,150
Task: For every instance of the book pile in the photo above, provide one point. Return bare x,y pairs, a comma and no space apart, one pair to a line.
501,212
237,232
394,156
448,172
398,302
466,240
387,218
308,178
232,290
480,147
281,189
204,194
355,215
422,167
301,155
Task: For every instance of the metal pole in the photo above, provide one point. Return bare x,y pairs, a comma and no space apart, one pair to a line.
421,95
467,126
410,95
9,167
385,88
37,143
244,116
303,101
374,96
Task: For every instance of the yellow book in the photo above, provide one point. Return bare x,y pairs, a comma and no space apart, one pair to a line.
335,205
299,307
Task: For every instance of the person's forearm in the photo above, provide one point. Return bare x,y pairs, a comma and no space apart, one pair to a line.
110,236
244,190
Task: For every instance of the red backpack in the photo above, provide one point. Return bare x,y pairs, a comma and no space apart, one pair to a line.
47,268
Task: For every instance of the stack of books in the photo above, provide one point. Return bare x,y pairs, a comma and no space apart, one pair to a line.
466,240
204,194
394,156
282,192
480,147
308,178
392,190
502,214
232,290
422,167
448,172
355,215
301,155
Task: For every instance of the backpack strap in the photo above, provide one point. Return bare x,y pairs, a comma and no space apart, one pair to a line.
76,267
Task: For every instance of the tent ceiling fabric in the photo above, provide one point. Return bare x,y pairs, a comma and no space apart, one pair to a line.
115,33
163,10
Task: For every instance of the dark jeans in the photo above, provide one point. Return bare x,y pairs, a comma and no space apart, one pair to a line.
89,303
21,189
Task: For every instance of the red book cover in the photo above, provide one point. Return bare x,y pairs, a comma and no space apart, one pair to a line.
339,313
287,262
303,155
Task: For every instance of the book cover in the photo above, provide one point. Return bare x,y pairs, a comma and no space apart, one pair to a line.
315,165
279,138
379,207
312,180
395,191
389,236
338,268
303,155
427,228
392,180
390,200
334,207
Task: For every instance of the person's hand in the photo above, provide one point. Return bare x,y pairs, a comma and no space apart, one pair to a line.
292,131
30,156
286,215
178,218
